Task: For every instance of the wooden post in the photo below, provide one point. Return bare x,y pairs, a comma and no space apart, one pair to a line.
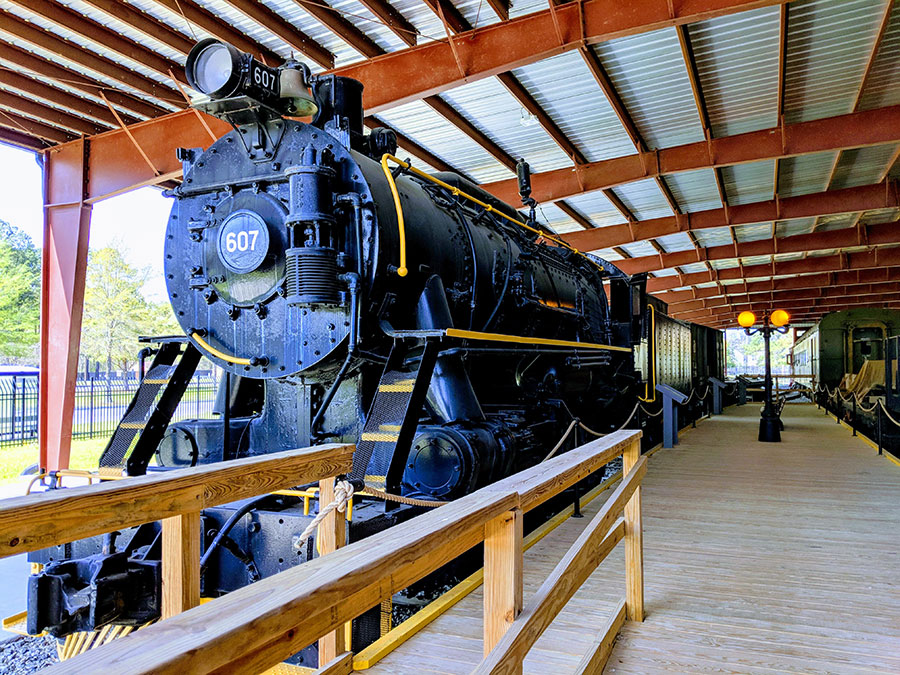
634,542
180,563
502,576
331,535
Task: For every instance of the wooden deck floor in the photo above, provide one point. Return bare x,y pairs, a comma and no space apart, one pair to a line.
759,558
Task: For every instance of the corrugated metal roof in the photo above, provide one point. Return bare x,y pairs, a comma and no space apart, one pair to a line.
566,90
650,76
692,268
731,263
737,63
695,190
675,242
788,228
862,166
492,109
837,222
714,236
664,273
805,174
828,46
644,199
877,216
81,41
753,232
639,248
756,260
597,208
426,127
745,183
559,222
883,87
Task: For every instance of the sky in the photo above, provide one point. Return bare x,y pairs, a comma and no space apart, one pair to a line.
134,222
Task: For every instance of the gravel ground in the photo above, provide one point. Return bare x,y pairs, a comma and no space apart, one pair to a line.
25,655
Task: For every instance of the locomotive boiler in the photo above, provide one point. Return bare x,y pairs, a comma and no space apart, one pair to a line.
350,297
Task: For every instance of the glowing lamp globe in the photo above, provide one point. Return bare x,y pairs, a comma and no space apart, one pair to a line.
780,318
746,319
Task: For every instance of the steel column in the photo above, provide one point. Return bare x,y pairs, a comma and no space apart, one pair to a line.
67,219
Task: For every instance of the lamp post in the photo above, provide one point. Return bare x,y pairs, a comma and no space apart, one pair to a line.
776,322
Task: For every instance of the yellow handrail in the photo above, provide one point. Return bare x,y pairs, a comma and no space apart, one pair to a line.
215,352
401,226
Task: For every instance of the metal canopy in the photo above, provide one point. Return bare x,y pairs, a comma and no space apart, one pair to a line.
717,144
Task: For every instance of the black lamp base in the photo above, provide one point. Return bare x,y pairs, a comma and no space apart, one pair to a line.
769,429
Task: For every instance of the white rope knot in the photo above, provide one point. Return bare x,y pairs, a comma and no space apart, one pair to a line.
343,491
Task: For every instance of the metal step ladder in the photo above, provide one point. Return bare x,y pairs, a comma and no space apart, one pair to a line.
148,415
387,436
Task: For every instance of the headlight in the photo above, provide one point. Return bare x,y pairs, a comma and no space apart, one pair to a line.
214,68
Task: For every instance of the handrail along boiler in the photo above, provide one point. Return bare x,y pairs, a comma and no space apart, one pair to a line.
451,365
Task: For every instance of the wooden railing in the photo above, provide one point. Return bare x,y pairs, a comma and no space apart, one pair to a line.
260,625
510,643
176,497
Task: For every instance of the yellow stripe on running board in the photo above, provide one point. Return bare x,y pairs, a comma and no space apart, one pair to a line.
378,436
519,339
395,387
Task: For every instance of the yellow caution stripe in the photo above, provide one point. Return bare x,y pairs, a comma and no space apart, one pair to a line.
133,425
389,427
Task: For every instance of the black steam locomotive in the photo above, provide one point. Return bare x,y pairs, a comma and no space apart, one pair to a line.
348,297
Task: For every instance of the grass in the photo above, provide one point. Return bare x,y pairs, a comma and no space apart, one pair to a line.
14,460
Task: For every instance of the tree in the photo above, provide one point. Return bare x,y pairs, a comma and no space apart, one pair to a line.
20,292
116,312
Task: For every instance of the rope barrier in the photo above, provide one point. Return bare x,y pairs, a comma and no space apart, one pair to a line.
624,424
562,440
887,414
650,414
343,491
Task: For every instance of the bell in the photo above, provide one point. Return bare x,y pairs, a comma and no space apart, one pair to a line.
293,87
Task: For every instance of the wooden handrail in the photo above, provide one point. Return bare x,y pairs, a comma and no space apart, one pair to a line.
596,541
45,519
260,625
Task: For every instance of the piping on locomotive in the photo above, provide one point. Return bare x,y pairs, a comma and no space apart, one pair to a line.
348,297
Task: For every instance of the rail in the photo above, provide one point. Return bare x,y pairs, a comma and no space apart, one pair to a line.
44,519
260,625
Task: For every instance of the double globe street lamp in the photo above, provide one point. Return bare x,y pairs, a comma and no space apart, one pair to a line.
774,322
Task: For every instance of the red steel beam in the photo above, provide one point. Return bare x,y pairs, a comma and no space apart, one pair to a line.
31,63
400,77
43,39
101,35
874,235
39,130
879,257
37,90
393,19
802,281
867,290
67,219
20,139
196,16
849,200
47,114
855,130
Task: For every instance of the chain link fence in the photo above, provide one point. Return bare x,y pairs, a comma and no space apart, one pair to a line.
100,402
